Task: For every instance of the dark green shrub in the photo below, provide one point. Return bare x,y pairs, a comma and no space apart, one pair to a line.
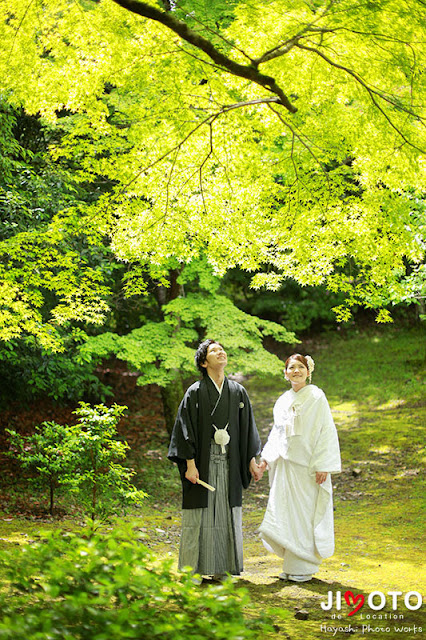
82,458
28,371
111,587
47,453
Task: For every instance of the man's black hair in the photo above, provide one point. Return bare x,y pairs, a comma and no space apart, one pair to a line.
201,354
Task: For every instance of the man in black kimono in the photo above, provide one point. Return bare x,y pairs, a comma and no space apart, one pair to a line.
214,439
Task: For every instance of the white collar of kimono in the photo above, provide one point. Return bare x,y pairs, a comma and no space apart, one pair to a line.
287,411
219,389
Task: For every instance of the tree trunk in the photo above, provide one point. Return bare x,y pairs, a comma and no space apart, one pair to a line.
94,499
171,397
51,496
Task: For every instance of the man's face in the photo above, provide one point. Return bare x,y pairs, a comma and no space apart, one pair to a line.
215,357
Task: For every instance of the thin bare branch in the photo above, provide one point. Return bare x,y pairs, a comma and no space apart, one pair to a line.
209,120
358,78
285,47
219,35
299,137
164,156
399,132
279,50
19,28
372,93
170,179
296,173
202,165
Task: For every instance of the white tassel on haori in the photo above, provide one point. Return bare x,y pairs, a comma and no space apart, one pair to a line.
222,437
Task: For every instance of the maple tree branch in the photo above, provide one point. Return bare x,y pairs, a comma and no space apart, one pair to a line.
307,147
358,79
219,35
19,27
207,121
285,47
249,72
201,168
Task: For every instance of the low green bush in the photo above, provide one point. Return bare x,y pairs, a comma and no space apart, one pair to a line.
109,586
47,453
83,459
101,485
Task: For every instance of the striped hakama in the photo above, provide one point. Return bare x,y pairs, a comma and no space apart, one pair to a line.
212,537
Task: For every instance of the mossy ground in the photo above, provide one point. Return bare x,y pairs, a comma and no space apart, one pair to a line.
374,385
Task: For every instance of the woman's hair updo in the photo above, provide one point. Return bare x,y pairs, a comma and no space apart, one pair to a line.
297,356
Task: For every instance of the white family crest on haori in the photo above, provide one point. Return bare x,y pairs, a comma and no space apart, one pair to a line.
222,437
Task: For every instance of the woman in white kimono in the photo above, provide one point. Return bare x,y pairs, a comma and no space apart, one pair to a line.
301,452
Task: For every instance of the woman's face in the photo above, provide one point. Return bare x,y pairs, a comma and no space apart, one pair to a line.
296,373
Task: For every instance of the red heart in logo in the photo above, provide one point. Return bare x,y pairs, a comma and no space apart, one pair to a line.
350,596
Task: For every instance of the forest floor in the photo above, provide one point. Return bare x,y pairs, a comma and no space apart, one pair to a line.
375,386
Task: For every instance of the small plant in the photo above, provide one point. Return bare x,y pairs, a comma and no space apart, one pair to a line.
48,453
111,586
102,485
82,458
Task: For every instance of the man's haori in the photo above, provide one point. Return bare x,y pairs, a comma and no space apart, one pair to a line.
193,433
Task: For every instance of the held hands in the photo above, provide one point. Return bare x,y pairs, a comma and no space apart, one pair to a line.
257,470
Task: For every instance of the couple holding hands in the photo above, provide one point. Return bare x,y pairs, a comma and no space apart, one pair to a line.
215,441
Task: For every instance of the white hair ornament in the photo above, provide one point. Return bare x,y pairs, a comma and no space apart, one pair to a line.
311,366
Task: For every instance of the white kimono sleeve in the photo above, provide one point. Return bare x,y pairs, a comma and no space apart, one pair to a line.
270,452
326,454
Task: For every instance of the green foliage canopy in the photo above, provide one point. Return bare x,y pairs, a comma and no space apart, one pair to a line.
48,275
158,350
284,138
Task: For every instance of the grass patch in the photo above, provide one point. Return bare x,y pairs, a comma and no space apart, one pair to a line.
382,368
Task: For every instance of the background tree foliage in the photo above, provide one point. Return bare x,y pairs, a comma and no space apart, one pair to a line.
284,138
48,275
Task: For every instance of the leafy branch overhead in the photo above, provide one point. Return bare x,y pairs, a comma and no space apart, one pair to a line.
313,33
249,72
157,350
286,139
